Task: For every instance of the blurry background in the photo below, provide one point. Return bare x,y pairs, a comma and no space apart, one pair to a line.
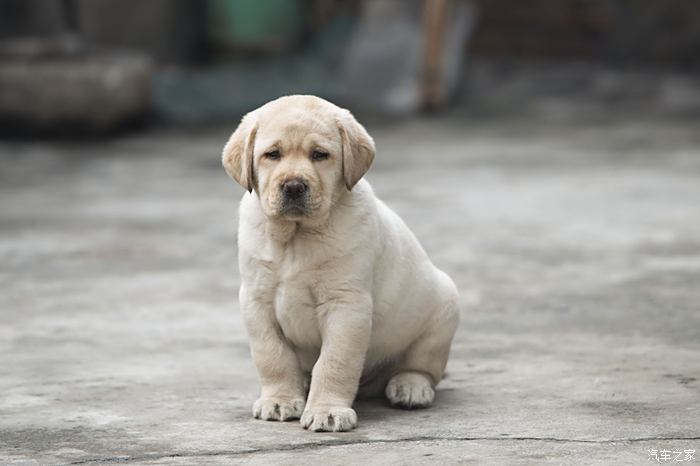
546,153
93,66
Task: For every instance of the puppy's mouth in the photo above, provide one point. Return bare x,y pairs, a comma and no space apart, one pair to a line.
294,208
294,211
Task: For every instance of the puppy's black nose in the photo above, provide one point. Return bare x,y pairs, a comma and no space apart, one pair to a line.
294,188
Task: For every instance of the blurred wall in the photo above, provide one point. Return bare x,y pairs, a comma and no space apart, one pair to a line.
663,32
169,31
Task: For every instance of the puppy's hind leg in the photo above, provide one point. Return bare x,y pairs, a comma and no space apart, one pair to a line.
423,364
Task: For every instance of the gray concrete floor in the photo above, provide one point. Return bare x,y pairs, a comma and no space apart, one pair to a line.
576,248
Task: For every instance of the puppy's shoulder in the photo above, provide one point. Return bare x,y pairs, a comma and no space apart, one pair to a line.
250,222
249,207
362,199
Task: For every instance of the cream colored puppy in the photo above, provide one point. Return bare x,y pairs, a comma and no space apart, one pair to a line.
337,294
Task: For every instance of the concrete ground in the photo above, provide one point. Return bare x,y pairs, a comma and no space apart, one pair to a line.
576,247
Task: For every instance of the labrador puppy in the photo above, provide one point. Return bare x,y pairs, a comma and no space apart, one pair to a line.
337,294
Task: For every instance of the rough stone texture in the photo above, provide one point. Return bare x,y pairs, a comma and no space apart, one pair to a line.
575,247
73,94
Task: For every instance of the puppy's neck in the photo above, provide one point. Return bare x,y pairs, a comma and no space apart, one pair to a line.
280,230
284,231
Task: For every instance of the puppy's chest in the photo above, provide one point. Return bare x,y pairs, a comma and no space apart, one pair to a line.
295,309
295,304
297,271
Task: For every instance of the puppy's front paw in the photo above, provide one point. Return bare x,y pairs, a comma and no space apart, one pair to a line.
410,390
329,419
278,409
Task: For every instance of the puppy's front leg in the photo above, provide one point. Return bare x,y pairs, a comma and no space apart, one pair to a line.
346,325
283,385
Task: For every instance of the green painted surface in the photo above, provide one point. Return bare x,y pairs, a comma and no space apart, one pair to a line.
254,23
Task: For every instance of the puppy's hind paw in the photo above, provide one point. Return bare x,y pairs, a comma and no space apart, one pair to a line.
329,419
410,390
278,409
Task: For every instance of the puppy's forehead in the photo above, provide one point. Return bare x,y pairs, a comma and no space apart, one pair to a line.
295,124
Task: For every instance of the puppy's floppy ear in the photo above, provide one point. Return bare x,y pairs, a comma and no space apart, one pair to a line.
358,148
237,157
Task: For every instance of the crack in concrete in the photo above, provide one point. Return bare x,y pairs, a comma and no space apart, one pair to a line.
335,443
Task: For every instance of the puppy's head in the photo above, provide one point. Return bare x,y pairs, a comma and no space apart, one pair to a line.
298,153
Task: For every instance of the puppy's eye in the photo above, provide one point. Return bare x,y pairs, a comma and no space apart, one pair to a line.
318,155
272,155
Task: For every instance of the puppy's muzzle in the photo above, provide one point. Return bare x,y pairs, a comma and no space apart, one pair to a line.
294,194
